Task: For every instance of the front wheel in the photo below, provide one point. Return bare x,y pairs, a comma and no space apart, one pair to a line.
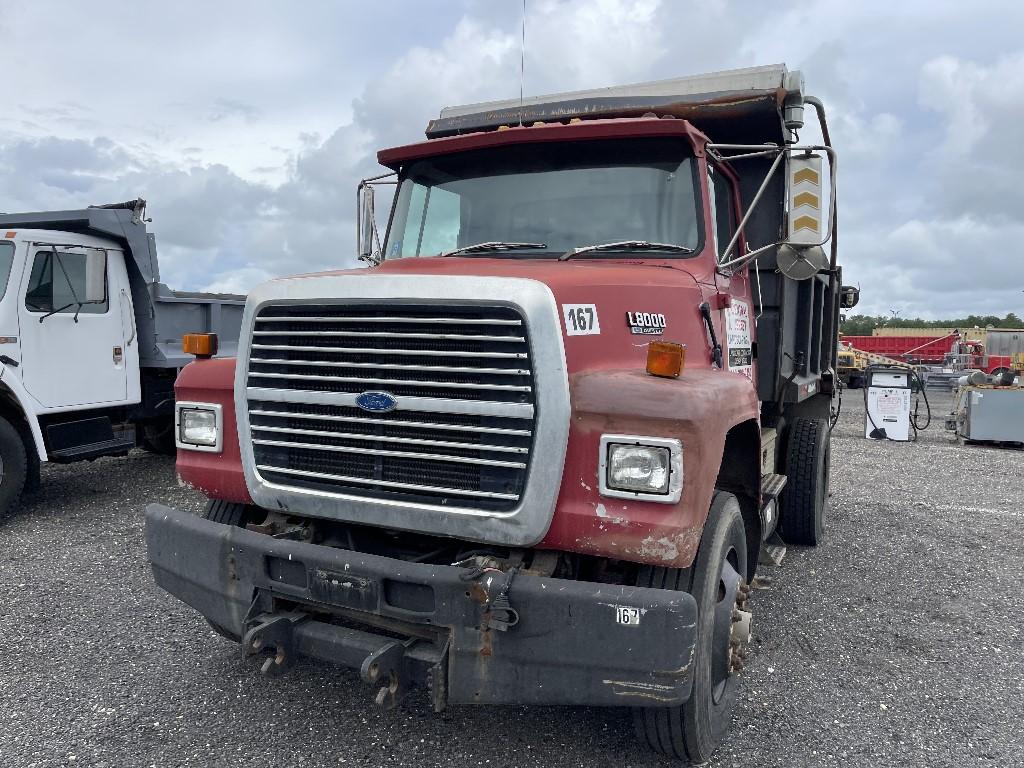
158,437
13,467
694,730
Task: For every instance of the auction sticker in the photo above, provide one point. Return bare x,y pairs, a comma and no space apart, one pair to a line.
737,335
580,319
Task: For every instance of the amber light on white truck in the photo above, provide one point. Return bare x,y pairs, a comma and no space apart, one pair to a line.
648,468
199,427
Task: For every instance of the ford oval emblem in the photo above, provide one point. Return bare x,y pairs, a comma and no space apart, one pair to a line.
378,402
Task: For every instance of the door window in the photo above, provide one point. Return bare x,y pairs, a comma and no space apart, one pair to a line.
722,210
57,284
433,223
6,261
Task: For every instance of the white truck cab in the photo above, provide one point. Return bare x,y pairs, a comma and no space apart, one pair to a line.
89,340
55,334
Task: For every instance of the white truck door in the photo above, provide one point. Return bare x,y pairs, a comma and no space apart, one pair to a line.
73,353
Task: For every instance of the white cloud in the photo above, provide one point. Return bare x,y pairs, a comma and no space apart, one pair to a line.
238,280
248,132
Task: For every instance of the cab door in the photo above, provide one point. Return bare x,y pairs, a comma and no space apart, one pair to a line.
73,353
737,305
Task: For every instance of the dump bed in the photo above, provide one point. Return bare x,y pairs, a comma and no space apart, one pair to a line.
161,315
739,105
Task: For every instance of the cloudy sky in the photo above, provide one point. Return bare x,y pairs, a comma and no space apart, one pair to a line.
248,124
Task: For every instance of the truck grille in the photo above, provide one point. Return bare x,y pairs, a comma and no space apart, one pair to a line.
460,435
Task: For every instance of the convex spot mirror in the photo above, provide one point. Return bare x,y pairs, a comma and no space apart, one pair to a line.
801,262
849,296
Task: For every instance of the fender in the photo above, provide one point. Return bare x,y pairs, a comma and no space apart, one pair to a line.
218,475
14,392
699,408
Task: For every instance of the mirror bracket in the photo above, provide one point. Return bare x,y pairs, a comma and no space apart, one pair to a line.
779,153
368,244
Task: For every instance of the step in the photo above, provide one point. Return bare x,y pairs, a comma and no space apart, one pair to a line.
119,446
772,485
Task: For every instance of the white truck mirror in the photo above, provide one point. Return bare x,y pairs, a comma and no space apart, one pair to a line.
95,277
366,232
806,224
800,256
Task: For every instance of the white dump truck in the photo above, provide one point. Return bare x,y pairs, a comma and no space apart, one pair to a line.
90,340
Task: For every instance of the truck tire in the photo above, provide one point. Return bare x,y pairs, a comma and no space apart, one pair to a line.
227,513
13,467
158,437
694,730
803,503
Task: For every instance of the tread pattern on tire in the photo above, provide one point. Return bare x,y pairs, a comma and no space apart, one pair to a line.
159,439
16,467
661,728
225,512
797,517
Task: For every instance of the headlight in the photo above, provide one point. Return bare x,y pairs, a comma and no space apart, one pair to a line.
649,468
199,426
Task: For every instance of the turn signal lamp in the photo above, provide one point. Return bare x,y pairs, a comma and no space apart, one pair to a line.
665,359
202,345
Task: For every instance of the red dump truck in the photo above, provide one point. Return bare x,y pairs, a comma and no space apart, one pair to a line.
995,355
915,349
532,453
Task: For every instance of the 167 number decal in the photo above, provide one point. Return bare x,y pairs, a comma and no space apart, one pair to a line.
580,319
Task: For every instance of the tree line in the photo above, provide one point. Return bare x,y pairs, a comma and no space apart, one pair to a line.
863,325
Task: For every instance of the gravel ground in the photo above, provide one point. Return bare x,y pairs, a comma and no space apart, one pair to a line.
895,643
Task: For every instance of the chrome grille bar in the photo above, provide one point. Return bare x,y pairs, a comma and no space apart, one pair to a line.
392,382
483,447
387,483
391,351
390,335
403,320
362,450
477,407
395,422
392,366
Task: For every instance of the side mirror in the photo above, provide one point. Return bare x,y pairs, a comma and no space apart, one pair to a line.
806,225
367,239
95,277
800,255
849,296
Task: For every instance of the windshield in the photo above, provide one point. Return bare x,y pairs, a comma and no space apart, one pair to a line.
556,195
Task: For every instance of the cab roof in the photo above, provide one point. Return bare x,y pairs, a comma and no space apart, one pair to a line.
582,130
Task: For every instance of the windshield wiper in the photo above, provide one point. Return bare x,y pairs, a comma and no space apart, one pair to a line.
493,246
626,245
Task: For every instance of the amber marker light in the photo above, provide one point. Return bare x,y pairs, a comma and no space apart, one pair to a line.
202,345
665,359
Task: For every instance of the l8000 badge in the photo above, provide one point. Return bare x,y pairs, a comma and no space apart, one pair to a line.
645,323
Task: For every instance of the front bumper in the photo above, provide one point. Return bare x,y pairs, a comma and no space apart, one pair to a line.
401,623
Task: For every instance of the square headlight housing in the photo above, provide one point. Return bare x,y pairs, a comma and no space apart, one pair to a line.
645,468
199,426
